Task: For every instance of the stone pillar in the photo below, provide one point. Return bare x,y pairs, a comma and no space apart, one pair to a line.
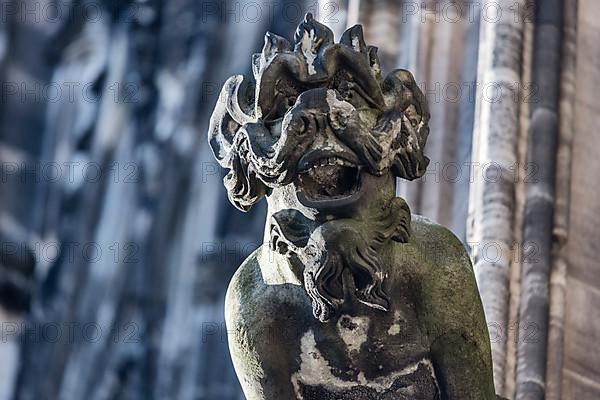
560,262
539,201
492,196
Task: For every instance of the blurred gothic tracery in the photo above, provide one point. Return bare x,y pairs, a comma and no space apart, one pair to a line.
118,238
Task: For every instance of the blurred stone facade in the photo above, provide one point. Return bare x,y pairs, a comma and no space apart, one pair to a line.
117,236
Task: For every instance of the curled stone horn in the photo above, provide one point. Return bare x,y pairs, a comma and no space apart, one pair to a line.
259,130
229,144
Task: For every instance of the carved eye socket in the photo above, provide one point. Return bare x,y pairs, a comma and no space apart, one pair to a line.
291,101
299,125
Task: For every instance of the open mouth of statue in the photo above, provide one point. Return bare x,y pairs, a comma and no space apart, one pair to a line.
328,181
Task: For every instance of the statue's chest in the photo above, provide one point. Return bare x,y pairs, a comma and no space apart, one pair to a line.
365,356
356,358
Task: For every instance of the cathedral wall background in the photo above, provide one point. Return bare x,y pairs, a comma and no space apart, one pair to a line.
145,76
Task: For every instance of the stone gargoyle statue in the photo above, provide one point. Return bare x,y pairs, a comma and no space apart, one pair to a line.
351,297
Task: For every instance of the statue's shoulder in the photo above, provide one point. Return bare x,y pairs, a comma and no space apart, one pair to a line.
444,251
252,295
243,286
448,286
443,259
452,308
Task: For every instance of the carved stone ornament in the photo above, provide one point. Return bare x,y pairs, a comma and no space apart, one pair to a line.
350,297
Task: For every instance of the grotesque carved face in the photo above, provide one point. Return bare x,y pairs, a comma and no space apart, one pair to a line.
319,116
316,129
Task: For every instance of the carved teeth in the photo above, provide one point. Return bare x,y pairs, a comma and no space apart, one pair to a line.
330,161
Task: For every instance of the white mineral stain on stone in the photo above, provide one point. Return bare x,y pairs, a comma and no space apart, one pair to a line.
356,44
395,328
307,42
314,367
342,108
316,371
362,380
353,331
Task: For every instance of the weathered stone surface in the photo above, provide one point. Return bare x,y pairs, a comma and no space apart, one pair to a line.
350,297
492,202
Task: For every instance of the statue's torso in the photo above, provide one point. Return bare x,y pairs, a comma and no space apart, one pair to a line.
426,347
365,357
360,354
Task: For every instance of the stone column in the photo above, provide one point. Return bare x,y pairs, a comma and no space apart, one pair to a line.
520,178
492,197
558,275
